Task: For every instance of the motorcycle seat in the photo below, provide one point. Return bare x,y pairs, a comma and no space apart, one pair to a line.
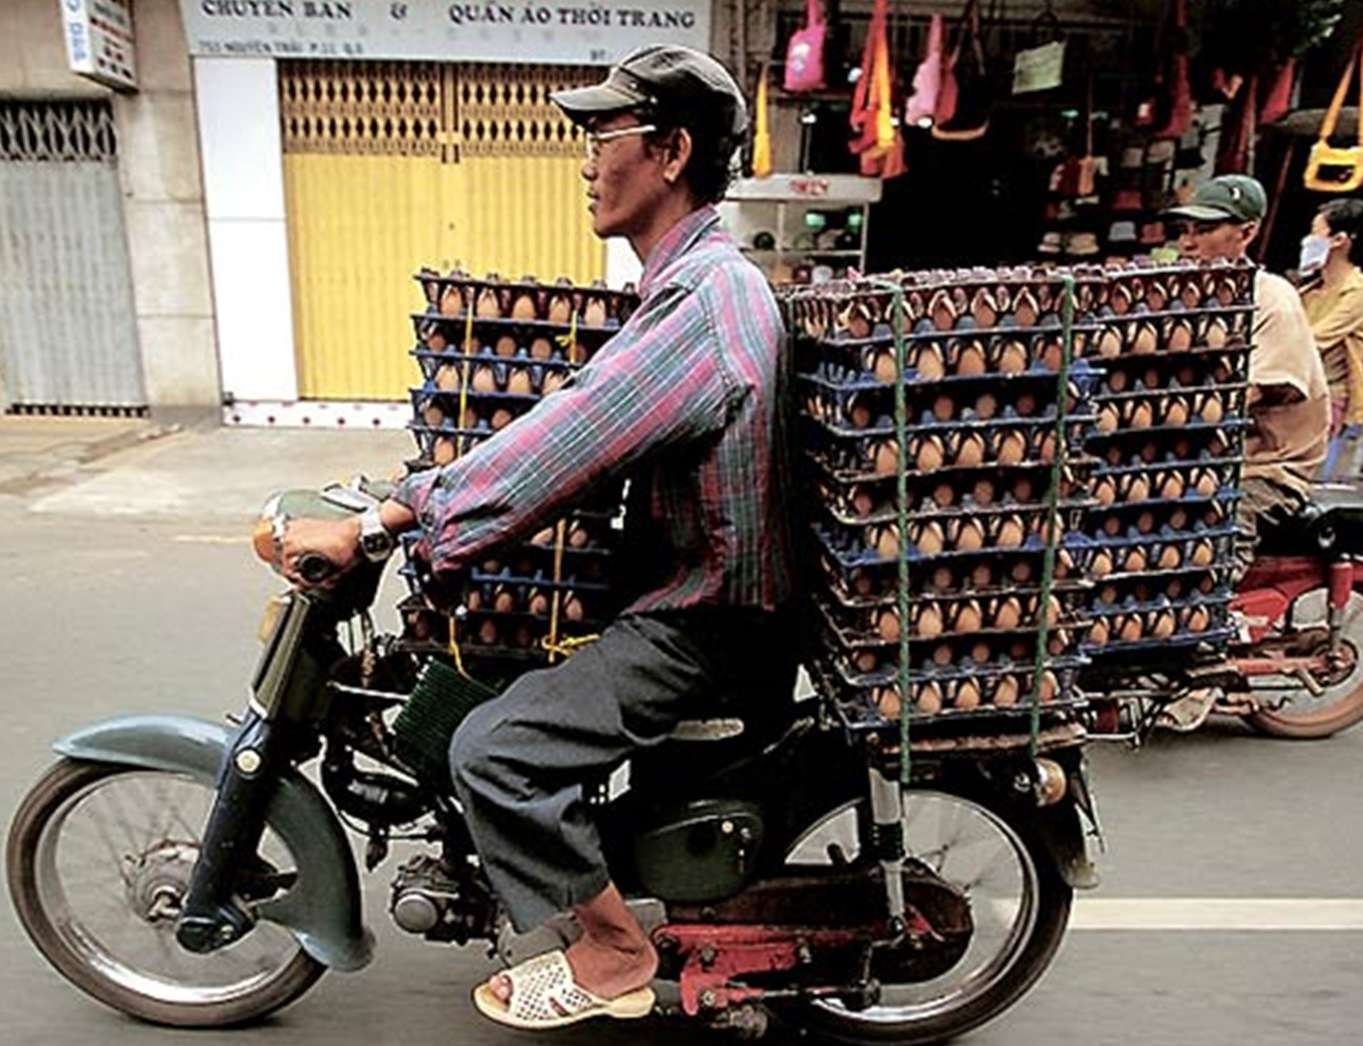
1331,522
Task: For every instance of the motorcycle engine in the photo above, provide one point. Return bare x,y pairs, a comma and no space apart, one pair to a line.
428,899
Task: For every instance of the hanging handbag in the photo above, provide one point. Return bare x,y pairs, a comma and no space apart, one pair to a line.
1041,66
1330,168
966,73
927,78
877,140
804,53
1235,147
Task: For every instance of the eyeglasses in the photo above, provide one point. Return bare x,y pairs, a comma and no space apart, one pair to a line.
595,139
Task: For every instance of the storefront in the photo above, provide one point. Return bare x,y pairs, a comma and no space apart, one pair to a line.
346,145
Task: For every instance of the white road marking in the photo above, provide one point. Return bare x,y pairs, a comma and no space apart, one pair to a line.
210,539
1208,914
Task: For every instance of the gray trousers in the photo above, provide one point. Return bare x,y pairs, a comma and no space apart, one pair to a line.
520,761
1262,504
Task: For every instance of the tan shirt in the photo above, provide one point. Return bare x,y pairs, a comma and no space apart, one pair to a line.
1336,317
1287,441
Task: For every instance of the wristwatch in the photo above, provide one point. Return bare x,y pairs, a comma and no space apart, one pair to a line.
375,541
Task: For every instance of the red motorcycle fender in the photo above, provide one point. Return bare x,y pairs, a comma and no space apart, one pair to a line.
322,909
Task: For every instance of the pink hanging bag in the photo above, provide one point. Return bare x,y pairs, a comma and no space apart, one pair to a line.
804,53
927,78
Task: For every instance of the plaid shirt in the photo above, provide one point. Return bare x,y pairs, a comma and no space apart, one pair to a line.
683,401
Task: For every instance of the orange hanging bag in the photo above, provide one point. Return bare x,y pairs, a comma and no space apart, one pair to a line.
1332,168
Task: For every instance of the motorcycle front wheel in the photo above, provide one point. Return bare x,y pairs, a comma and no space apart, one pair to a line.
1296,712
98,862
1019,905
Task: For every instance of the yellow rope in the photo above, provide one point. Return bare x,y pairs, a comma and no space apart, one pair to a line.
454,649
551,643
464,381
568,644
569,341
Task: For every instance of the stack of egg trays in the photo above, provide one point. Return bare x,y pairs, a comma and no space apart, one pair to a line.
1169,437
981,389
523,340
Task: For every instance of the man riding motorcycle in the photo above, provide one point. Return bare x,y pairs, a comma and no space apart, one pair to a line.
683,401
1289,400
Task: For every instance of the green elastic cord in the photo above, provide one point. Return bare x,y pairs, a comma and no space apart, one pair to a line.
1053,504
901,429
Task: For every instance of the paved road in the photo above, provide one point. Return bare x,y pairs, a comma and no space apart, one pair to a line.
128,591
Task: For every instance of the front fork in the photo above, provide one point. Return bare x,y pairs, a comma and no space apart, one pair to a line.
887,841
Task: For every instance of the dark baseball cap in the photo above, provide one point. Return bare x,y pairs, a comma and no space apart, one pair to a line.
1230,197
662,77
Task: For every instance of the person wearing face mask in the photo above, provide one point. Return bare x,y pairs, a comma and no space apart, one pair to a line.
1332,295
1288,398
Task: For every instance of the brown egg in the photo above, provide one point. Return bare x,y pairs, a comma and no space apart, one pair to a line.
1098,634
865,661
930,539
1180,336
966,695
594,312
981,575
859,412
929,363
942,579
1118,381
1212,410
489,306
942,311
1112,526
1146,340
1145,522
442,451
943,408
578,535
503,599
969,617
1142,415
888,702
1022,489
1054,611
553,381
560,308
1026,309
1012,358
487,632
1012,448
862,501
1008,614
1202,554
1050,687
1137,487
883,366
970,452
1163,625
1109,344
519,382
452,302
927,699
971,361
434,338
983,308
1135,561
1129,628
1025,404
885,457
943,655
1050,354
1206,483
505,346
474,599
970,537
885,540
432,415
1198,619
1170,557
541,348
982,493
944,495
986,406
930,454
1102,563
543,537
1105,491
1191,295
1175,411
1011,533
1045,451
1216,334
501,418
887,624
483,379
1108,419
1006,692
525,306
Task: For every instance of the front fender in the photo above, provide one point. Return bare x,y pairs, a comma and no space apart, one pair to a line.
321,909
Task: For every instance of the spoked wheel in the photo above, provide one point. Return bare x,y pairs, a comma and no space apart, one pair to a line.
1297,712
1019,906
99,861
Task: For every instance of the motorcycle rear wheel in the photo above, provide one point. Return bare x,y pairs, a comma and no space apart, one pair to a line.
953,832
1305,717
80,839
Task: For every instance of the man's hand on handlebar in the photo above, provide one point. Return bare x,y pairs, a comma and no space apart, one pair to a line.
310,544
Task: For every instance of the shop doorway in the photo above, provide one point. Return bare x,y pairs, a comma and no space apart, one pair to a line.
389,166
68,332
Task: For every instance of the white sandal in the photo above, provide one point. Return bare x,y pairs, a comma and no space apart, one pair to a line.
544,995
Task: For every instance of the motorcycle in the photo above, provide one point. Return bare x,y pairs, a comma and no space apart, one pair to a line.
1295,667
778,864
